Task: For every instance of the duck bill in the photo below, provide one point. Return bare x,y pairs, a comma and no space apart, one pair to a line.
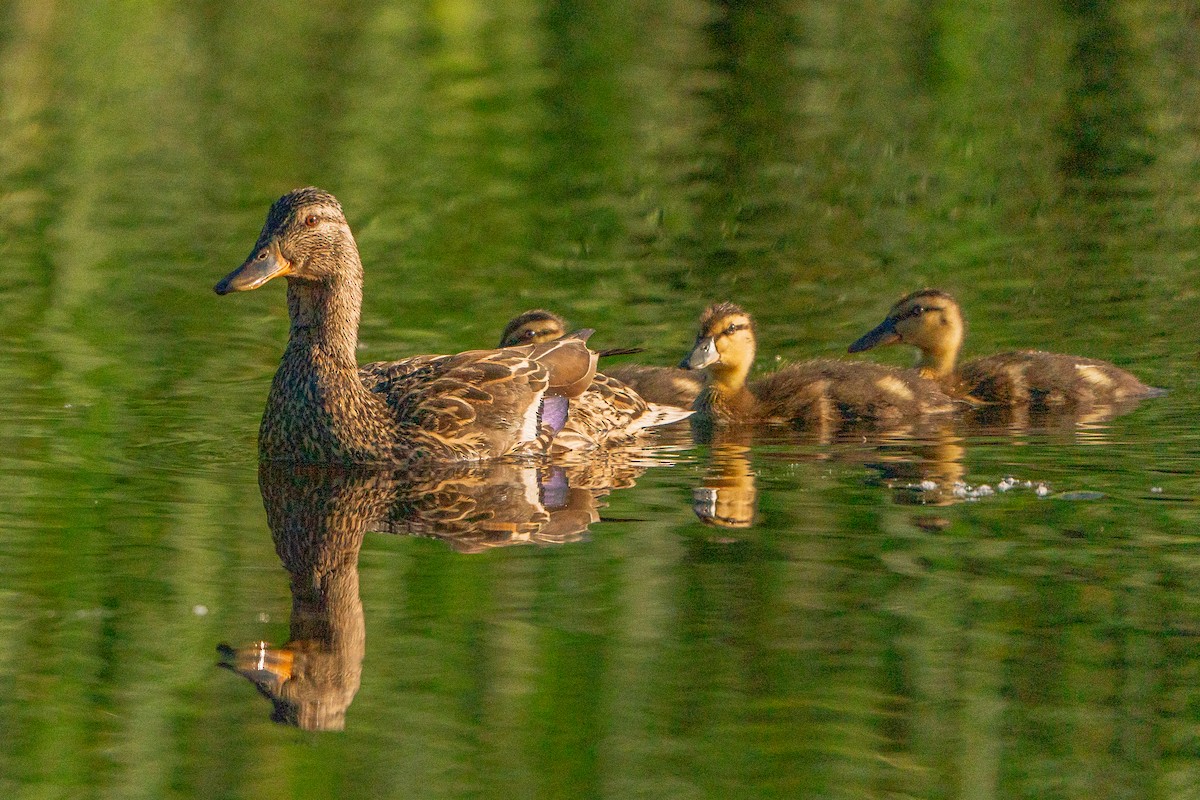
881,334
262,265
703,354
259,662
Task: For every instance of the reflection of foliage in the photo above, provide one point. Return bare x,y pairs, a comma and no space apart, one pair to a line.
800,157
1104,130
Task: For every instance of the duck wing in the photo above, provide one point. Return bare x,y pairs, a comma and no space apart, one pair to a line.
608,412
481,403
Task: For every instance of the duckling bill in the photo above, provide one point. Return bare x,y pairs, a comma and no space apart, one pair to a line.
324,409
816,393
932,321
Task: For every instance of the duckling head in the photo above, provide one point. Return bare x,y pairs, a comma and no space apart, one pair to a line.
306,238
533,327
929,320
725,344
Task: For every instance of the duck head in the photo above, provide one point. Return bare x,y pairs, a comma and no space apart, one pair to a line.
533,327
929,320
725,344
306,239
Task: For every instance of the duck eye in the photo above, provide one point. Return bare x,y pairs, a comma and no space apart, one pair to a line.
311,220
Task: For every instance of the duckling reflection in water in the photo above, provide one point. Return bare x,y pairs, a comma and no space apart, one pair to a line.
324,409
923,470
932,321
318,518
728,496
820,394
671,386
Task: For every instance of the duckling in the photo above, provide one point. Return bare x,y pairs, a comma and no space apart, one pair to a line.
932,321
670,386
608,411
324,409
816,393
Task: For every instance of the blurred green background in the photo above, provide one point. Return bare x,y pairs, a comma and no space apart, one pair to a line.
624,163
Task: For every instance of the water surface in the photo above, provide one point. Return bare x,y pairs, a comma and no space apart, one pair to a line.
855,626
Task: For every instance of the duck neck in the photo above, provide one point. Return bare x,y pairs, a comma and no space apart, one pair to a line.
725,395
938,361
325,320
318,410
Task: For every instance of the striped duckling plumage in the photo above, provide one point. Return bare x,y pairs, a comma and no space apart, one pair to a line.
608,411
819,393
324,409
932,321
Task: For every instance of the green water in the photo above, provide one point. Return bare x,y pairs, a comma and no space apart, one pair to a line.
624,163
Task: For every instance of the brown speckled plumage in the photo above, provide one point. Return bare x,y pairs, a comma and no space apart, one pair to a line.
669,386
819,393
932,321
324,409
609,411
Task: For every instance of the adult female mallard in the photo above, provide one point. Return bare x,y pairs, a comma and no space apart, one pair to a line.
816,393
670,386
932,321
608,411
324,409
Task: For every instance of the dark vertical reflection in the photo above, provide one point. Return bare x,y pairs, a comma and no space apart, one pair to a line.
747,184
1106,152
927,65
1104,132
586,141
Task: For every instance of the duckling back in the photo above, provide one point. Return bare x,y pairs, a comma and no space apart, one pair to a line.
670,386
1050,380
824,391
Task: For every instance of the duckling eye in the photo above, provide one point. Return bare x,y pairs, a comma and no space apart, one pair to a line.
311,220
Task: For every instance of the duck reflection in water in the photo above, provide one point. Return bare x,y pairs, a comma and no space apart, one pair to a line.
318,517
